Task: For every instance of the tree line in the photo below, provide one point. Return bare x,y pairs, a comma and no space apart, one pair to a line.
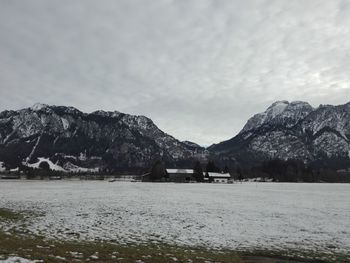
275,169
158,171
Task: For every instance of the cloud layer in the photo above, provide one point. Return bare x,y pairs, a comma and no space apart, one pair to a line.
198,68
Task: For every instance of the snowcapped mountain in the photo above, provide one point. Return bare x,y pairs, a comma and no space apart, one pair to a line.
75,141
293,130
279,113
70,140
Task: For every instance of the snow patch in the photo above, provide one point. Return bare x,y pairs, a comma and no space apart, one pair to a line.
76,169
33,150
38,106
76,254
65,123
53,166
2,167
70,157
19,260
82,156
277,108
68,167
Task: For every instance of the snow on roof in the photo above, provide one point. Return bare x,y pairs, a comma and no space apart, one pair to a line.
211,174
179,171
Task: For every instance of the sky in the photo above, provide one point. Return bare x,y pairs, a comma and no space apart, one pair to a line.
198,68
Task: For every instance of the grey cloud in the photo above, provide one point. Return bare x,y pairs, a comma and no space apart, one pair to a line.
198,68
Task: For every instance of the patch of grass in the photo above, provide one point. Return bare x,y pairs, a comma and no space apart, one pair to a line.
300,255
66,251
55,251
6,214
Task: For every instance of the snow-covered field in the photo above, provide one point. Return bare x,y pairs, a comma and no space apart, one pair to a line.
238,216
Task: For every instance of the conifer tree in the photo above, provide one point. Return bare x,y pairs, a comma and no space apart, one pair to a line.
198,172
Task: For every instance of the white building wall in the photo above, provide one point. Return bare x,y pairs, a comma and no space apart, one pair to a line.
220,180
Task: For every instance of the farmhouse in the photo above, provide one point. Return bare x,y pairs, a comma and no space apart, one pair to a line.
180,175
218,177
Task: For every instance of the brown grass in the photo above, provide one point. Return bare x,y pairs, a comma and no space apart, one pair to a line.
55,251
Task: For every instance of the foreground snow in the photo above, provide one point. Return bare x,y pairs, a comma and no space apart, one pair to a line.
238,216
18,260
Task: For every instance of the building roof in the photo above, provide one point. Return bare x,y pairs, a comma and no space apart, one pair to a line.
219,175
179,171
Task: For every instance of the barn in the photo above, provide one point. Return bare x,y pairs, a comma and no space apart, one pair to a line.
180,175
218,177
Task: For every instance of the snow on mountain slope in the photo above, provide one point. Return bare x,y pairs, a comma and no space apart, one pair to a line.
280,112
53,166
38,106
118,140
293,130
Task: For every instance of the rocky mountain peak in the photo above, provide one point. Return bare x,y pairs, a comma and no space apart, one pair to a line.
109,114
62,134
279,113
276,108
294,130
38,106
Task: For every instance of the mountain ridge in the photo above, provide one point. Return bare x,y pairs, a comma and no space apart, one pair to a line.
293,130
119,140
114,141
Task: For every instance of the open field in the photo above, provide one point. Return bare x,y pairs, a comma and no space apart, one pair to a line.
126,222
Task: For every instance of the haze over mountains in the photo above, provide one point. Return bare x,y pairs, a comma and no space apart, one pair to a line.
71,140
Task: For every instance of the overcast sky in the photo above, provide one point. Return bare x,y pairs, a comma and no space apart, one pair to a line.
198,69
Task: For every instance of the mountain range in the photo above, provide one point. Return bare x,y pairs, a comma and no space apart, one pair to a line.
70,140
293,130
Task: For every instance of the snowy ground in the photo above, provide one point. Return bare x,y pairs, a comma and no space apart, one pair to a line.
237,216
18,260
